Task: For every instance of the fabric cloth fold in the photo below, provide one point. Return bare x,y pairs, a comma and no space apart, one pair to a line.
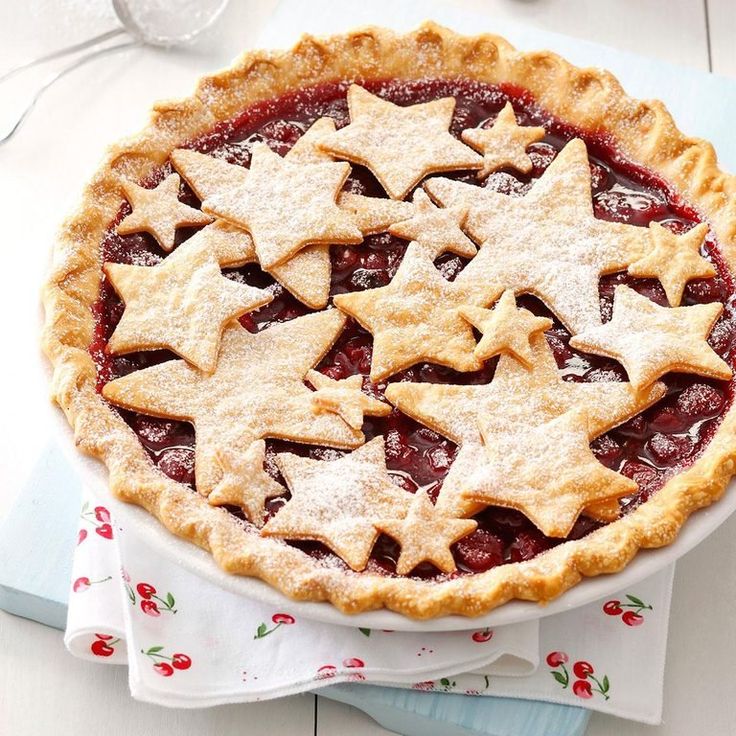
189,643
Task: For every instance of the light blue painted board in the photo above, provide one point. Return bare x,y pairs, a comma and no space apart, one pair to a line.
447,714
37,542
36,548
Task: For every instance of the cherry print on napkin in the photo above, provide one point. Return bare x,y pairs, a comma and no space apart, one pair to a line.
99,517
103,645
583,671
163,664
631,617
280,619
83,584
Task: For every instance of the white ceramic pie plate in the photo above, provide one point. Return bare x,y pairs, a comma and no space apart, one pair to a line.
137,521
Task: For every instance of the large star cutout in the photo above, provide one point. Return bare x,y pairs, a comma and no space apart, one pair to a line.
257,390
649,340
425,535
346,398
547,243
307,274
504,144
517,399
244,482
337,502
674,260
505,329
415,317
302,207
548,472
182,303
400,145
437,230
159,212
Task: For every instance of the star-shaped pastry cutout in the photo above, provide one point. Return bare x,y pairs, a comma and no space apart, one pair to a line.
181,304
505,329
307,274
518,398
547,243
400,145
437,230
415,317
337,502
159,212
425,535
374,214
674,260
257,390
548,472
244,482
346,398
649,340
504,144
307,148
302,207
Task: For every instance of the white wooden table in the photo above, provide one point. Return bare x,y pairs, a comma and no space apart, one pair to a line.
42,688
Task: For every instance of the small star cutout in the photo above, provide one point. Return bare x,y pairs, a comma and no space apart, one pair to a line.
302,205
505,329
674,260
345,398
438,230
159,212
504,144
270,399
374,214
338,502
649,340
182,304
400,145
548,472
425,535
244,482
415,317
548,242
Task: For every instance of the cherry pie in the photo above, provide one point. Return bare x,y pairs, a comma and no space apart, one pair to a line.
414,321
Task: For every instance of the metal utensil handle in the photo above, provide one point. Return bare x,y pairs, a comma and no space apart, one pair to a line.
62,52
55,78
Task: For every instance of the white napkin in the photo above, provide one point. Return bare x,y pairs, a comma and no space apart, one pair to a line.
189,643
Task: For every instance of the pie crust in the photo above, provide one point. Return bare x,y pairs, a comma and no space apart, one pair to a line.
589,99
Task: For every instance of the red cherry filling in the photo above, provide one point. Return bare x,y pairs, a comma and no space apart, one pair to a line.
649,448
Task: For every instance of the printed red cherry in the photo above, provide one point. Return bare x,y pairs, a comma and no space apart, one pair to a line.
104,637
582,669
164,669
353,662
101,648
81,536
632,619
481,636
327,670
282,618
150,608
81,584
613,608
102,514
104,530
145,590
555,659
180,661
582,689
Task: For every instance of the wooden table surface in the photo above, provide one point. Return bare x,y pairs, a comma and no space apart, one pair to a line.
43,689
